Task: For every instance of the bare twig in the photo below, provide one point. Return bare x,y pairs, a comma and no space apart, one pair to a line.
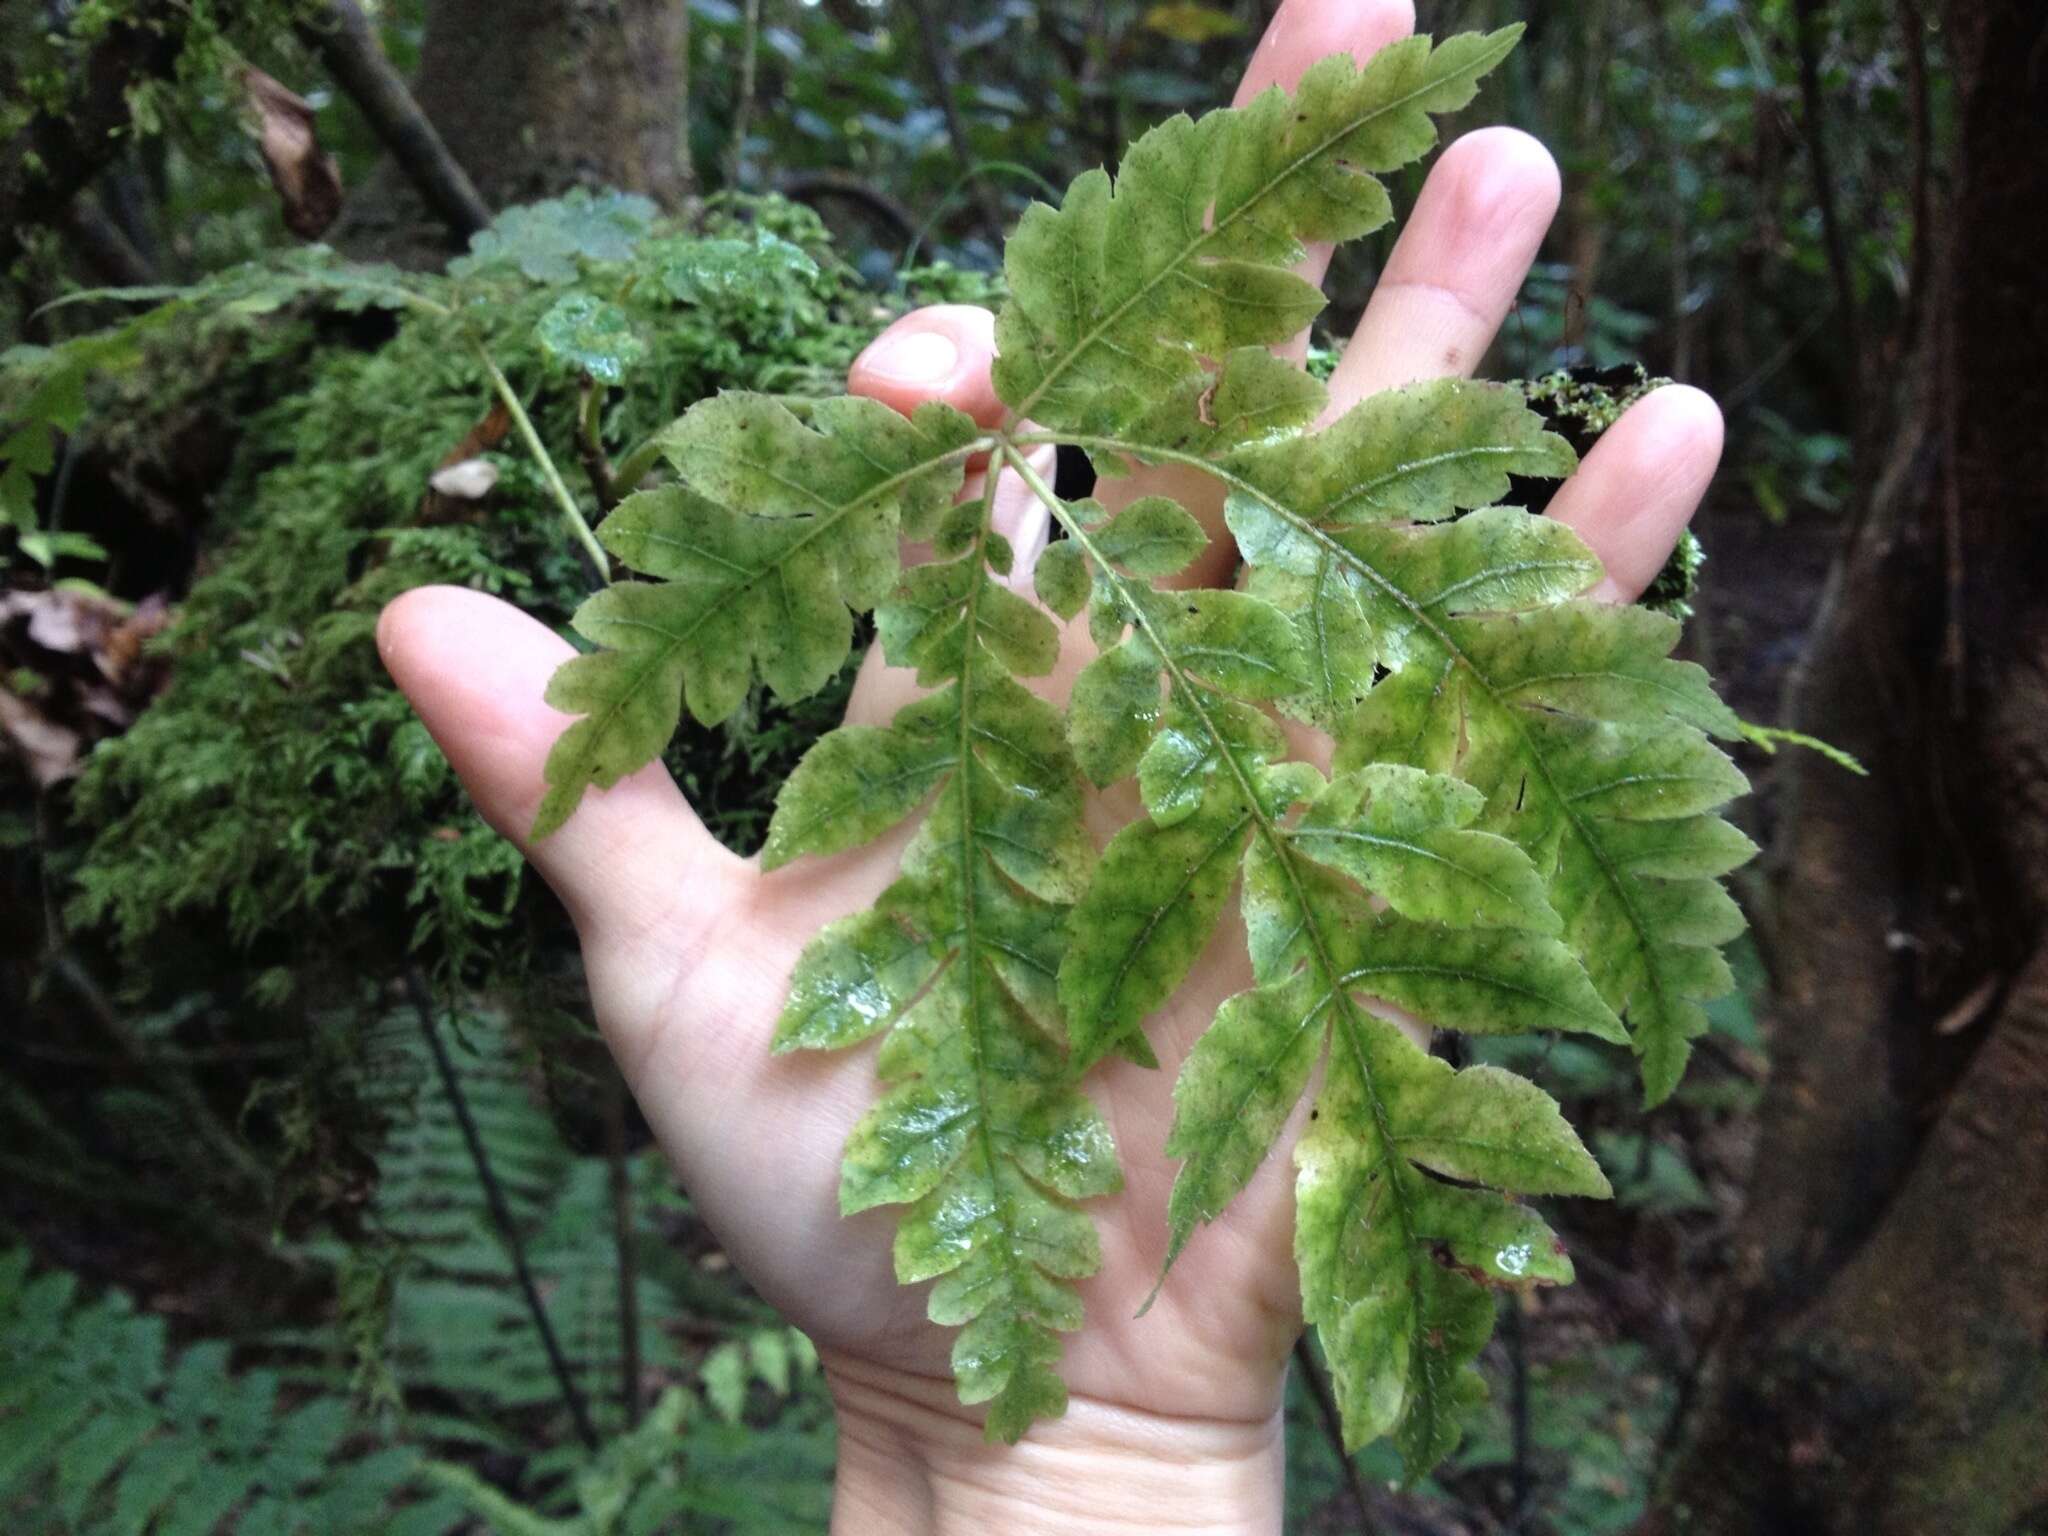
743,114
501,1213
622,1228
938,56
1333,1426
342,38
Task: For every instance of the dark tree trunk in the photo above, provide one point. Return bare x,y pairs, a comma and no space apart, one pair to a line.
1882,1364
533,97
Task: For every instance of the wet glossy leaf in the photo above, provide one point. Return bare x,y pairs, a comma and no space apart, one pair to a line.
703,271
584,332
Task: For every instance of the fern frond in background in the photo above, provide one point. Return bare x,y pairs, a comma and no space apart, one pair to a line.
106,1428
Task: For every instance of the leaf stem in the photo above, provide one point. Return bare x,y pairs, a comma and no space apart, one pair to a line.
590,444
636,466
1344,1008
1332,1421
600,563
501,1213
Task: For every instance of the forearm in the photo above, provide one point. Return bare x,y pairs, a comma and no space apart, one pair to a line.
912,1464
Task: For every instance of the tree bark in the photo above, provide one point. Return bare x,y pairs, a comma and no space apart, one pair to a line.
345,42
1882,1362
533,97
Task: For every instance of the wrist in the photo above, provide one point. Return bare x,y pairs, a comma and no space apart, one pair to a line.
913,1461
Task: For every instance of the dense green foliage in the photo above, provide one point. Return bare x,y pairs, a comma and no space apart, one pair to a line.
280,796
279,687
1519,838
109,1426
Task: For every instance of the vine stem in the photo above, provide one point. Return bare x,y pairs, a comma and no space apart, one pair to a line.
1331,1419
600,563
501,1212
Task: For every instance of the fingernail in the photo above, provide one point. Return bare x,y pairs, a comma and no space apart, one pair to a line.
915,357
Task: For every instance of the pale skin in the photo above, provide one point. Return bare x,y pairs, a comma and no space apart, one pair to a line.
1175,1420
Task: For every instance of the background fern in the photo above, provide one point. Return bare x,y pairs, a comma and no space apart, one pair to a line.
110,1430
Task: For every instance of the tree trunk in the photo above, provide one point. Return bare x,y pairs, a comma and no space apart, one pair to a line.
1882,1362
533,97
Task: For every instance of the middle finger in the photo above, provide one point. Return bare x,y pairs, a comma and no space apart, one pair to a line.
1456,268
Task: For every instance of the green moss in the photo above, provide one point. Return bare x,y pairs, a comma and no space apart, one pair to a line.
281,791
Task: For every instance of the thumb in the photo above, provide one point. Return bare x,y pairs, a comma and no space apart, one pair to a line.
946,352
633,865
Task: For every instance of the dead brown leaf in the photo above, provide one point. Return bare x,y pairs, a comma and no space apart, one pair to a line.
47,750
307,179
80,670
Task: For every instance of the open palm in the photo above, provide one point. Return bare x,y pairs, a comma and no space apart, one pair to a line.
689,949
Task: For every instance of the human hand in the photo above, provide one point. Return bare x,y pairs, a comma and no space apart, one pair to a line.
1174,1419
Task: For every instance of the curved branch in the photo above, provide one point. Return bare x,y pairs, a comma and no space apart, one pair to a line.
343,40
814,186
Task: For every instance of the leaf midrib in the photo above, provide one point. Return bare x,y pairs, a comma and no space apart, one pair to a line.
1333,549
1276,842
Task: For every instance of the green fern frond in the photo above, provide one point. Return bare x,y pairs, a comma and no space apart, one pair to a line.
105,1429
1116,297
1520,834
770,591
982,1133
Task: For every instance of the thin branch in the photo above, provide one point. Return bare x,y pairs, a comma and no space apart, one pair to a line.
622,1238
63,149
501,1213
60,962
100,244
342,38
938,57
179,1085
684,158
1914,25
814,186
743,114
1813,122
1333,1427
1524,1483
